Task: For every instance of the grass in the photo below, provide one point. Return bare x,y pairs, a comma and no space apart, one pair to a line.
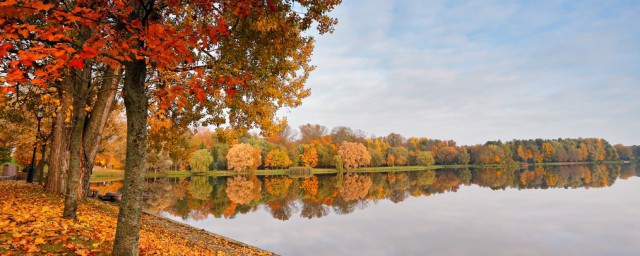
101,174
578,163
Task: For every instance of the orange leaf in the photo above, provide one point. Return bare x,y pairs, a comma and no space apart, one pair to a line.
88,52
42,7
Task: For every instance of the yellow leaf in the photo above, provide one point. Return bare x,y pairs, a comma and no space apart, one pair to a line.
39,240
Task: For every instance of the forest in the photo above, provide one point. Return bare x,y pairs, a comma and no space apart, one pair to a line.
317,146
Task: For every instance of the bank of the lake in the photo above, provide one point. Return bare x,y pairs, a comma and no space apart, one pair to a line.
31,223
109,175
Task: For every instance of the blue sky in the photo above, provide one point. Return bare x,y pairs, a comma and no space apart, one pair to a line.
474,71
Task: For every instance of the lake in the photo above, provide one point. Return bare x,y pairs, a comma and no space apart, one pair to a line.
565,210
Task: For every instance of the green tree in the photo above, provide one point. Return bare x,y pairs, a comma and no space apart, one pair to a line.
425,158
463,156
200,160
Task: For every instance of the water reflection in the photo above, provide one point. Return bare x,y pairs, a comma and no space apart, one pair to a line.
535,211
318,196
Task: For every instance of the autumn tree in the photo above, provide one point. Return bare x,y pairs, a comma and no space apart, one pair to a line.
235,62
111,153
446,155
353,155
624,153
342,133
277,159
309,132
243,157
395,140
200,160
309,156
397,156
425,158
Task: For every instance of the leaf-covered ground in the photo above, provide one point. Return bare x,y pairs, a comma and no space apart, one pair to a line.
31,224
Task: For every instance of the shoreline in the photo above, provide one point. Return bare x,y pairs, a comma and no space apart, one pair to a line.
314,171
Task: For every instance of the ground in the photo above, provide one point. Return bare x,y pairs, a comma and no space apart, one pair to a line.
31,223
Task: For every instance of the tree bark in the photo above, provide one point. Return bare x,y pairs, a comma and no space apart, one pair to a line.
81,90
136,104
59,147
95,124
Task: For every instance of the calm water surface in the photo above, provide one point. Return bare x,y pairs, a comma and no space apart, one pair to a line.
571,210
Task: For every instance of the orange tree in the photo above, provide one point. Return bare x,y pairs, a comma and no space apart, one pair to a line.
233,62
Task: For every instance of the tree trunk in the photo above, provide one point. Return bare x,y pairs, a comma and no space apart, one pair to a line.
95,124
136,103
81,90
59,147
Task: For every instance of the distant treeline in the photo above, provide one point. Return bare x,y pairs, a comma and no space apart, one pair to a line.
316,146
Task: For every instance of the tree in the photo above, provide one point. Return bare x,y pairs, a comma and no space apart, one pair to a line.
399,155
235,62
309,132
277,159
200,160
395,140
446,155
463,156
243,157
309,156
624,153
353,155
342,133
548,152
425,158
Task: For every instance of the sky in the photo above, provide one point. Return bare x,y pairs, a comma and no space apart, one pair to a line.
474,71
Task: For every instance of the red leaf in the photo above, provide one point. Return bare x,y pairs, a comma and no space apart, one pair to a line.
231,92
4,49
77,63
6,89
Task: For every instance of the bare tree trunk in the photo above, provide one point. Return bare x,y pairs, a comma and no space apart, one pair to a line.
81,90
95,124
59,147
136,103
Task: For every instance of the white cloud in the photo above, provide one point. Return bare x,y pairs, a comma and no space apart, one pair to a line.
476,71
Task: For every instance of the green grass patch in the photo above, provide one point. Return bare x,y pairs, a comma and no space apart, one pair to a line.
102,174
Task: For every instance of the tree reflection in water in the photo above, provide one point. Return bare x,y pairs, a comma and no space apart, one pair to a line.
318,196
